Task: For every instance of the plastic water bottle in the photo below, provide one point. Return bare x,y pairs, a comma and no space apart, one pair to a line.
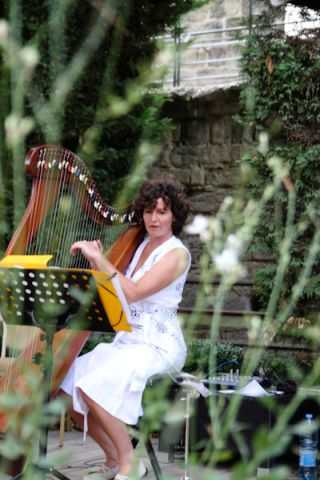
308,451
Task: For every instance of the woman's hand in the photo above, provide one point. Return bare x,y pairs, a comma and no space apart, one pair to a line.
91,250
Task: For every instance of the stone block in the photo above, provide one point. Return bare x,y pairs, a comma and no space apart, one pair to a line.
212,24
220,156
217,178
237,299
203,156
181,174
236,132
224,101
196,247
246,7
197,175
237,21
196,17
223,106
217,131
195,132
210,177
187,150
227,122
219,51
164,159
190,56
225,177
217,9
233,8
235,153
157,171
208,202
175,134
176,160
204,202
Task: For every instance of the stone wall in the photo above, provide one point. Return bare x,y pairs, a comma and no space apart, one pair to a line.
202,152
209,49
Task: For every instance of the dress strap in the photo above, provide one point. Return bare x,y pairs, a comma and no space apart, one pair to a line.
136,257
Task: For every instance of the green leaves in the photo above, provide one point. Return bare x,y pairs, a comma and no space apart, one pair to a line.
282,100
285,75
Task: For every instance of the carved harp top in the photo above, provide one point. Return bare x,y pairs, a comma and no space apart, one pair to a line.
66,206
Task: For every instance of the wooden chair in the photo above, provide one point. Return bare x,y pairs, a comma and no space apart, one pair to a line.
15,338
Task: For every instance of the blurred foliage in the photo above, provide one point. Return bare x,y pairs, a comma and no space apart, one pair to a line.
94,340
281,98
313,4
228,356
111,106
80,74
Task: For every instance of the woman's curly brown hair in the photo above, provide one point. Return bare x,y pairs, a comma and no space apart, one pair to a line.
172,194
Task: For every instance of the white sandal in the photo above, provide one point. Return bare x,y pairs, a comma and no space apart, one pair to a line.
142,469
142,472
102,472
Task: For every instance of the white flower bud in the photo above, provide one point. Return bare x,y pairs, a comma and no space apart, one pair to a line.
254,330
29,57
228,201
17,128
234,243
4,31
164,56
199,226
277,166
263,143
227,261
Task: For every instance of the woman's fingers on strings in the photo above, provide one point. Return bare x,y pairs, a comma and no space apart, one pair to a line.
75,247
86,247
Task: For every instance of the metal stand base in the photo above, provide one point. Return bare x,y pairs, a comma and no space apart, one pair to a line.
153,459
151,454
45,471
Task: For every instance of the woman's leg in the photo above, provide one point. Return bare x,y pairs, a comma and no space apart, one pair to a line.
97,434
116,430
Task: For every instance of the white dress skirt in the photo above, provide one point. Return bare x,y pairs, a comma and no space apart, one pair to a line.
115,374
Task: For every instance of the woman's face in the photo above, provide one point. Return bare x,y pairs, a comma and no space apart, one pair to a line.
158,220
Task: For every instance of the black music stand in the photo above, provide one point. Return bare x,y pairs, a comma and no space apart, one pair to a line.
51,299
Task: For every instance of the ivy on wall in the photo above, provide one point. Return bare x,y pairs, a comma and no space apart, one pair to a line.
282,98
124,54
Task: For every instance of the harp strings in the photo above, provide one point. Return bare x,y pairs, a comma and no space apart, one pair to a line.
58,182
71,208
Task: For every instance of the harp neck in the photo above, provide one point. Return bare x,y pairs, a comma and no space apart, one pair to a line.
64,206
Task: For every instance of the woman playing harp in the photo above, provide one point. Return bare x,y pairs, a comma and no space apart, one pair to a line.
107,384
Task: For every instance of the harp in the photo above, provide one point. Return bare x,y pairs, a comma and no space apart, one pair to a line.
65,206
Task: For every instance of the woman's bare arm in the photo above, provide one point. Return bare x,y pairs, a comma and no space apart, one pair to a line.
165,271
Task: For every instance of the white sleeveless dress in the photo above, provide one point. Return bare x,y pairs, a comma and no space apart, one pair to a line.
115,374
